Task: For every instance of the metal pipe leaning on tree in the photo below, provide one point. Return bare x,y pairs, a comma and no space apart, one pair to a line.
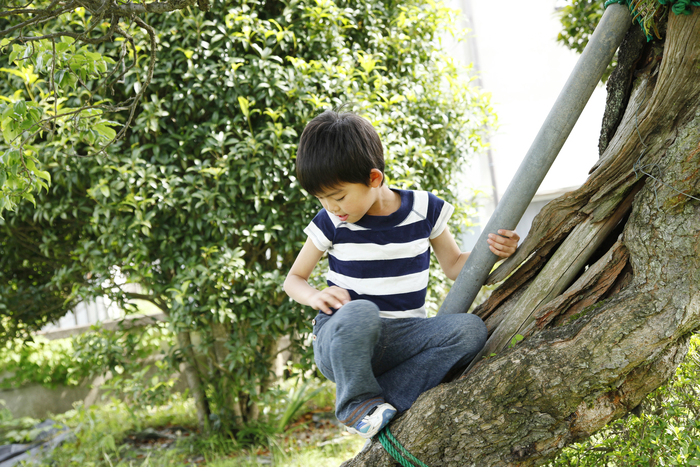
556,128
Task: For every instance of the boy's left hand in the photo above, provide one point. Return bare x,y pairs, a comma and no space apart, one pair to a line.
505,243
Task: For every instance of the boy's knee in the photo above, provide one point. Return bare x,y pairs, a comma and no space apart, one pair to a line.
472,336
359,310
472,330
478,325
357,316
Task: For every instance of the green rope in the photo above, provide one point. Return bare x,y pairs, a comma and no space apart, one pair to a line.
644,12
680,7
384,437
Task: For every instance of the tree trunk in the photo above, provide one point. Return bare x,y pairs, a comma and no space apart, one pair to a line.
618,328
194,381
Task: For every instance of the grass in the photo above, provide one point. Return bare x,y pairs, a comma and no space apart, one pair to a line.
113,435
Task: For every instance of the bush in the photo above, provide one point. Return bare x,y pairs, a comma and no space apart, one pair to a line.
129,355
666,431
199,203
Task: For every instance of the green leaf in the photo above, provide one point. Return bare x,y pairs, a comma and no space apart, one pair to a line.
243,102
20,108
43,174
105,131
30,197
10,131
514,341
13,71
16,51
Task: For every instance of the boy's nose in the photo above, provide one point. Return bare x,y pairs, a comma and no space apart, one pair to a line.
332,207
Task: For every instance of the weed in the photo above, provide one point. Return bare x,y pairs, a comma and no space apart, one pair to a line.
514,341
665,429
296,430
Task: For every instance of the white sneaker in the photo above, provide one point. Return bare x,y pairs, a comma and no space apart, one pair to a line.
374,421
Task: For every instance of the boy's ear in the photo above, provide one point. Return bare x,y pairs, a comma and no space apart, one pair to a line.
376,177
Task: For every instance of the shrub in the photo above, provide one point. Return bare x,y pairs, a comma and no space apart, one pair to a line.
666,430
199,203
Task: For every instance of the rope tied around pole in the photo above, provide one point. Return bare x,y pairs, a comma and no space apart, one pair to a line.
646,12
680,7
386,438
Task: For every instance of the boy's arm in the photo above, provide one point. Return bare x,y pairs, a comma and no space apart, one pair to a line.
297,283
452,259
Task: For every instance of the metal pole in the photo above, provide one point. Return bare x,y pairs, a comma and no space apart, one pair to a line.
556,128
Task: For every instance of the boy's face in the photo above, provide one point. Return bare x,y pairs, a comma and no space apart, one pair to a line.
351,201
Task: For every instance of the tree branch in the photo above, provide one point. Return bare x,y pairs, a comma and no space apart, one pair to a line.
149,77
149,298
153,7
78,36
40,18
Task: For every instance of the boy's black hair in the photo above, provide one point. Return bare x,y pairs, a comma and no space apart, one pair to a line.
337,147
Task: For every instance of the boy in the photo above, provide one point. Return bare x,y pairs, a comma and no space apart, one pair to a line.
371,336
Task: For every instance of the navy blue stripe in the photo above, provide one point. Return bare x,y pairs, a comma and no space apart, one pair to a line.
435,206
325,224
380,268
403,234
398,302
394,218
384,232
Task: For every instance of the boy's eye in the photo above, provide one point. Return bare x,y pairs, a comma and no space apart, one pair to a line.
340,199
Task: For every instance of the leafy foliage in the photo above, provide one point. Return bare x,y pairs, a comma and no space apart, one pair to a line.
57,50
16,430
579,19
102,435
137,359
666,432
108,435
199,203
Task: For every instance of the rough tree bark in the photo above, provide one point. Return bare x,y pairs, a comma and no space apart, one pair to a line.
621,325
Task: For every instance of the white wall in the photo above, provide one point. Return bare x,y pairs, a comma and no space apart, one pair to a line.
513,46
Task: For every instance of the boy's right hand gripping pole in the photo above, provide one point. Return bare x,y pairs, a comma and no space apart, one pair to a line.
556,128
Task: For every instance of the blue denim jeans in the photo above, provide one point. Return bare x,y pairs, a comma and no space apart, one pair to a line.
373,359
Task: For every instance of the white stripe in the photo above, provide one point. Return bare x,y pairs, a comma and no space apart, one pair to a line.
417,313
441,223
381,285
412,218
374,252
337,223
317,236
420,203
419,211
351,226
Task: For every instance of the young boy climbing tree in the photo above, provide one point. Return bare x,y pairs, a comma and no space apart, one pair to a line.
371,336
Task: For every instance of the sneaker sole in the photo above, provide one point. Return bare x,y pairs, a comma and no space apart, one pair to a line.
386,418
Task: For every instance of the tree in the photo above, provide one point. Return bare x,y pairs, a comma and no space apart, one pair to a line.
610,329
198,202
64,41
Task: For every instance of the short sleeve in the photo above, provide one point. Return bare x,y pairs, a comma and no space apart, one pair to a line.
439,212
321,231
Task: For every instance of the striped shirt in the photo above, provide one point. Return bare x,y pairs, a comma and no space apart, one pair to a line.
384,259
